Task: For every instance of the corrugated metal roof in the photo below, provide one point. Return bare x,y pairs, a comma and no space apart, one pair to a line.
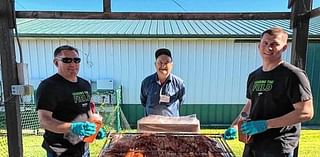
154,28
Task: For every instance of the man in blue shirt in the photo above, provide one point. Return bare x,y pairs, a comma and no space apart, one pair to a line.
162,93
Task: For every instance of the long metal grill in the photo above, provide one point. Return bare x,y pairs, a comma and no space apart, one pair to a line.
166,145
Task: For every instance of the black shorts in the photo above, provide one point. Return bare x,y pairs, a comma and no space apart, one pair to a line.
249,151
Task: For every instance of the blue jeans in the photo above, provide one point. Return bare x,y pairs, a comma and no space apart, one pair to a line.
52,154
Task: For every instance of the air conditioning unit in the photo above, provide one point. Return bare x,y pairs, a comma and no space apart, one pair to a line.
106,84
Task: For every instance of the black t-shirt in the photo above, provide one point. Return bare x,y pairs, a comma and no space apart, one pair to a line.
66,100
273,94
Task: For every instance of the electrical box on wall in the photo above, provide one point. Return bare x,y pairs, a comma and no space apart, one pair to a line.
99,99
102,85
23,73
21,90
103,91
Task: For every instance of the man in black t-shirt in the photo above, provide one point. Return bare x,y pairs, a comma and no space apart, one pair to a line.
63,105
279,99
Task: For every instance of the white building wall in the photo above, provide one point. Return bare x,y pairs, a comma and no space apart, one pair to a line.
214,70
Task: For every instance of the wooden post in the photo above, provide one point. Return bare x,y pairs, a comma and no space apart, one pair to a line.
300,16
106,6
300,23
9,77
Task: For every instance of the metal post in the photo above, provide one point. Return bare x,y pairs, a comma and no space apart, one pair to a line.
118,120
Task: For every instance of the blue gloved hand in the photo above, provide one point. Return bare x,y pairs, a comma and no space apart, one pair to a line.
254,127
101,134
230,134
83,128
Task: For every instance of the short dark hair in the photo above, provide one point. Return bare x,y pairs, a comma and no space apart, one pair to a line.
163,51
64,47
276,30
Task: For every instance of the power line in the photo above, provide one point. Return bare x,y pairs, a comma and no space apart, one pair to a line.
179,5
20,5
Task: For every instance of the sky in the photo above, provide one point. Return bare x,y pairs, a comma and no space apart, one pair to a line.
158,5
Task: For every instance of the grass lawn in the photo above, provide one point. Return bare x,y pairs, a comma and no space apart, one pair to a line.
309,144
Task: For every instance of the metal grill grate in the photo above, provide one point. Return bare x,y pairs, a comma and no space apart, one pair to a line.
167,145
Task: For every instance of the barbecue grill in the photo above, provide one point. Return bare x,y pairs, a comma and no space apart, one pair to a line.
163,145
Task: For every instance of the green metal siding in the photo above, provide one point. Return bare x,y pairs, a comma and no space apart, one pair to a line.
224,114
133,113
313,71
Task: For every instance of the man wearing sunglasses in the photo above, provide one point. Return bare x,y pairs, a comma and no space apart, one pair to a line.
162,93
63,104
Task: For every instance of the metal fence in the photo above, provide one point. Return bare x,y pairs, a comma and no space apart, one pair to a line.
112,114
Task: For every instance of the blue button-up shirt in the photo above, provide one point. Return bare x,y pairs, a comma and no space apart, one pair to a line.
150,95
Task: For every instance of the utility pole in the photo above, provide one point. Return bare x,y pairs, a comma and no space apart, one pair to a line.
10,77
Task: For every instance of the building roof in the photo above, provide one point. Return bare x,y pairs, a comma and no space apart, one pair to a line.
154,28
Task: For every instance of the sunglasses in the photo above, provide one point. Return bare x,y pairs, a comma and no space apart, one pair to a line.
69,60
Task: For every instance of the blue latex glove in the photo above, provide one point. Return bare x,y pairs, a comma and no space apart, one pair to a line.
101,134
254,127
83,128
230,134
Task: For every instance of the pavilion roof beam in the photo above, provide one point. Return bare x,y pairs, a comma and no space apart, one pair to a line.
315,12
153,15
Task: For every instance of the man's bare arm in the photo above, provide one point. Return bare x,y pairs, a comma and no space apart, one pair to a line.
51,124
303,112
246,108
